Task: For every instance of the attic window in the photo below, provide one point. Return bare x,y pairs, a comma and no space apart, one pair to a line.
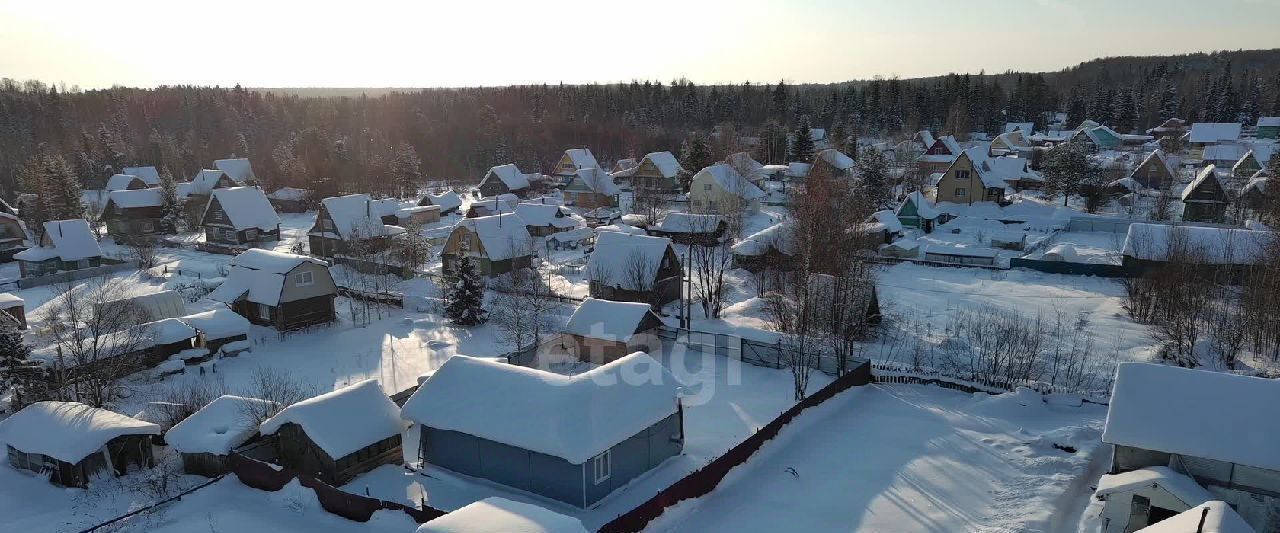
602,466
962,175
303,279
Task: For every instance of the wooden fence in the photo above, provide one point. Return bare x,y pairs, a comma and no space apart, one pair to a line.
76,275
895,373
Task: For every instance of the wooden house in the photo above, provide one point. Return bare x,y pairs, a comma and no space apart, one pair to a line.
63,245
504,179
1253,195
1011,142
339,435
290,200
345,221
543,220
1174,127
1207,133
13,233
147,174
633,268
624,164
772,248
1247,166
136,213
207,437
747,167
573,160
494,205
1268,128
917,211
721,189
239,217
966,182
831,163
574,439
1156,171
126,182
691,228
72,443
14,307
659,172
938,155
603,331
591,188
448,202
238,169
496,244
282,290
1205,199
196,192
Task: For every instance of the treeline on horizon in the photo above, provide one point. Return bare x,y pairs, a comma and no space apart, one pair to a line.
337,144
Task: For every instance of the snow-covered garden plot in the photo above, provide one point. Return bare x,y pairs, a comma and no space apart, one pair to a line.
725,403
910,458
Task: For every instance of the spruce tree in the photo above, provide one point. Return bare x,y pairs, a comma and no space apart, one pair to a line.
1169,102
171,214
873,173
59,188
17,373
695,153
464,299
406,168
801,146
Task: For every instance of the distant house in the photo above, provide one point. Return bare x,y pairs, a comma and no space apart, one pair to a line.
71,442
449,202
148,175
624,164
344,220
134,213
238,217
721,189
747,167
1174,127
1253,195
238,169
965,182
1206,133
195,193
1223,155
1156,171
504,179
796,171
658,171
494,515
1153,244
125,182
1026,128
573,160
1268,128
633,268
542,220
1180,437
1247,166
338,435
13,232
1205,199
277,289
218,327
831,163
572,439
206,438
496,205
1011,142
772,248
959,256
15,308
497,244
603,331
691,228
591,188
290,199
938,154
63,245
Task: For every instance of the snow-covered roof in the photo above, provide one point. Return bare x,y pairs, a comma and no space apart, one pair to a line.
9,300
1210,132
216,428
574,418
220,323
777,236
835,158
548,215
447,200
1268,122
259,275
1027,127
952,144
665,162
289,194
731,181
68,431
504,236
1258,182
926,138
500,515
247,207
72,241
272,261
609,320
1222,246
947,249
156,305
343,421
924,206
120,182
1227,152
168,331
205,181
354,214
1209,517
746,165
1179,485
1206,174
887,220
597,181
620,228
582,158
616,255
625,163
238,169
148,175
690,223
1061,252
1000,171
509,175
1194,412
128,199
797,169
1169,162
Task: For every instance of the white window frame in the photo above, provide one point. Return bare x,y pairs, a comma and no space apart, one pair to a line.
304,279
264,311
251,234
602,467
230,234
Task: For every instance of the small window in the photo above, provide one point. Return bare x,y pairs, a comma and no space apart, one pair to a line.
706,187
251,234
148,226
962,175
961,192
602,466
264,311
303,279
229,234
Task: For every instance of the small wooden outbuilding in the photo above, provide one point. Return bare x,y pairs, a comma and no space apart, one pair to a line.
73,442
206,438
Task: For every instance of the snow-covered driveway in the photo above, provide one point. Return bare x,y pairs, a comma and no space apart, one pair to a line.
905,458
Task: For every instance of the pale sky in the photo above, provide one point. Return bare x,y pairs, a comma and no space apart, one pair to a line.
432,43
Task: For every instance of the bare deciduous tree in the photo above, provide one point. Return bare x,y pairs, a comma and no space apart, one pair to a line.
97,336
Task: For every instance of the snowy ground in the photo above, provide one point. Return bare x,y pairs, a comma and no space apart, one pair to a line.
1091,246
909,458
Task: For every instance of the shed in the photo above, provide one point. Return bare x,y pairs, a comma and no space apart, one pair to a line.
153,306
602,331
1065,253
289,199
218,327
570,438
205,438
500,515
72,441
691,228
1210,517
633,268
958,255
1146,496
770,248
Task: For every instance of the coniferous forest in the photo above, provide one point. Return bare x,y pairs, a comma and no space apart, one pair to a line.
370,140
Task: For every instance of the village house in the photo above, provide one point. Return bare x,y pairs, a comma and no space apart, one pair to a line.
1207,133
938,155
1247,166
633,268
14,307
1253,195
1174,127
1221,249
496,205
1026,128
504,179
282,290
1205,199
496,244
239,217
917,211
542,220
772,248
747,167
573,160
1268,128
624,164
195,193
13,232
1180,437
448,202
691,228
239,169
126,182
148,174
591,188
339,435
1011,143
344,222
721,189
831,163
206,438
63,245
290,199
1223,155
965,182
500,515
603,331
574,439
1156,171
659,172
135,213
71,443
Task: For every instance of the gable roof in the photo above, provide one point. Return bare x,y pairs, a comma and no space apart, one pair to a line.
148,175
625,164
72,240
574,418
730,181
217,427
1227,152
1179,485
608,320
133,198
778,236
447,200
68,431
582,158
1210,132
509,175
354,214
205,181
835,158
618,254
665,162
238,169
924,207
596,180
259,275
535,214
1206,174
1209,517
343,421
247,207
120,182
746,165
289,194
1160,157
1194,412
690,223
504,235
500,515
1027,127
1222,246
